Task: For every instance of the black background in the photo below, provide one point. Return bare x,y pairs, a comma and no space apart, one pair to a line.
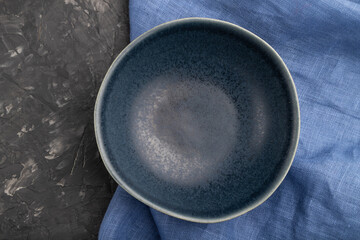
53,57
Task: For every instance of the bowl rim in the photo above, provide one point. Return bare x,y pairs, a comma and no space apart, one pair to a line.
293,142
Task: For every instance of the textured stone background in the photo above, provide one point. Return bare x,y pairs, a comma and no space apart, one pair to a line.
53,56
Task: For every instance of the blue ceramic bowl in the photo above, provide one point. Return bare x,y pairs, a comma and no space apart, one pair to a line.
199,119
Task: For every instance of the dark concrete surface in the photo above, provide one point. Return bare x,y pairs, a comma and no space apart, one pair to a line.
53,56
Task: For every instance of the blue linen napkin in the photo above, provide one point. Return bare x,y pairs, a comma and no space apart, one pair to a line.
320,197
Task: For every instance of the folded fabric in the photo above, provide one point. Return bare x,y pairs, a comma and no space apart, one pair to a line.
320,197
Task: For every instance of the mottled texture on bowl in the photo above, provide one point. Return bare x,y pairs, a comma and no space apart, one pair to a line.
199,119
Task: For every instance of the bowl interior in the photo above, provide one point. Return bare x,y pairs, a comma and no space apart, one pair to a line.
199,119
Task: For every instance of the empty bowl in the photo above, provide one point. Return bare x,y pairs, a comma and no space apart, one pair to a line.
199,119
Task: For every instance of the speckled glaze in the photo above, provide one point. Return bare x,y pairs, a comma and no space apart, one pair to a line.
198,118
